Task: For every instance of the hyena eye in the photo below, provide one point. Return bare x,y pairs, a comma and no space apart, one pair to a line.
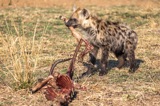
75,20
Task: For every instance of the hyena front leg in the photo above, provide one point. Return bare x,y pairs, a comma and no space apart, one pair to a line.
104,60
93,55
92,59
131,57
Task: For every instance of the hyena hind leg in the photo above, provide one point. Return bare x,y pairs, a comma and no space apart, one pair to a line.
104,60
92,61
131,57
121,59
93,55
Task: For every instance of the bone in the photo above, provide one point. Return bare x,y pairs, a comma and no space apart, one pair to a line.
78,37
73,31
57,62
39,85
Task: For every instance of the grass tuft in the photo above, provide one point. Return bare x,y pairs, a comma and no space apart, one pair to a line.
20,58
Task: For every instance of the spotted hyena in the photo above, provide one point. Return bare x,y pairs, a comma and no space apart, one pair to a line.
108,36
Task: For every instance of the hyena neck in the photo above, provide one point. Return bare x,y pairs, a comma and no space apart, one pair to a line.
91,28
94,22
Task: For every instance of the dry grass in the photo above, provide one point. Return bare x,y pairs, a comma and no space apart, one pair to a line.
31,39
81,3
19,57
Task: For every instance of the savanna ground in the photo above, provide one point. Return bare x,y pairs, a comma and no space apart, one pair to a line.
31,38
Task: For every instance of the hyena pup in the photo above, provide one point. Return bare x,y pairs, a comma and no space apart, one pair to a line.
108,36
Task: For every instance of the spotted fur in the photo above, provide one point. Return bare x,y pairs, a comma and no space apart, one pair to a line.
109,36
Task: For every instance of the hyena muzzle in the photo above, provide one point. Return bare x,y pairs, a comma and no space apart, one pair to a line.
108,36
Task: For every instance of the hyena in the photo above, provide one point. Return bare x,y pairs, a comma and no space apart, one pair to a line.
108,36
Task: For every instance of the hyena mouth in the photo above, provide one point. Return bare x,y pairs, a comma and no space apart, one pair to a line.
75,26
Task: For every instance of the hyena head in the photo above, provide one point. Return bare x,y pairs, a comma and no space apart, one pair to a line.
79,18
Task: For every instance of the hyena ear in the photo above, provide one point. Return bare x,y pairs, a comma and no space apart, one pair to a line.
85,13
74,8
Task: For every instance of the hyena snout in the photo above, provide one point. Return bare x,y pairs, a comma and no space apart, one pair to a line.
72,23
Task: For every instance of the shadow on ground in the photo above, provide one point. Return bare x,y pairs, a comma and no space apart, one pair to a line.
111,64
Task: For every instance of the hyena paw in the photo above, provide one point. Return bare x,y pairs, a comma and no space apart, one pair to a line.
101,73
116,68
87,73
131,70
